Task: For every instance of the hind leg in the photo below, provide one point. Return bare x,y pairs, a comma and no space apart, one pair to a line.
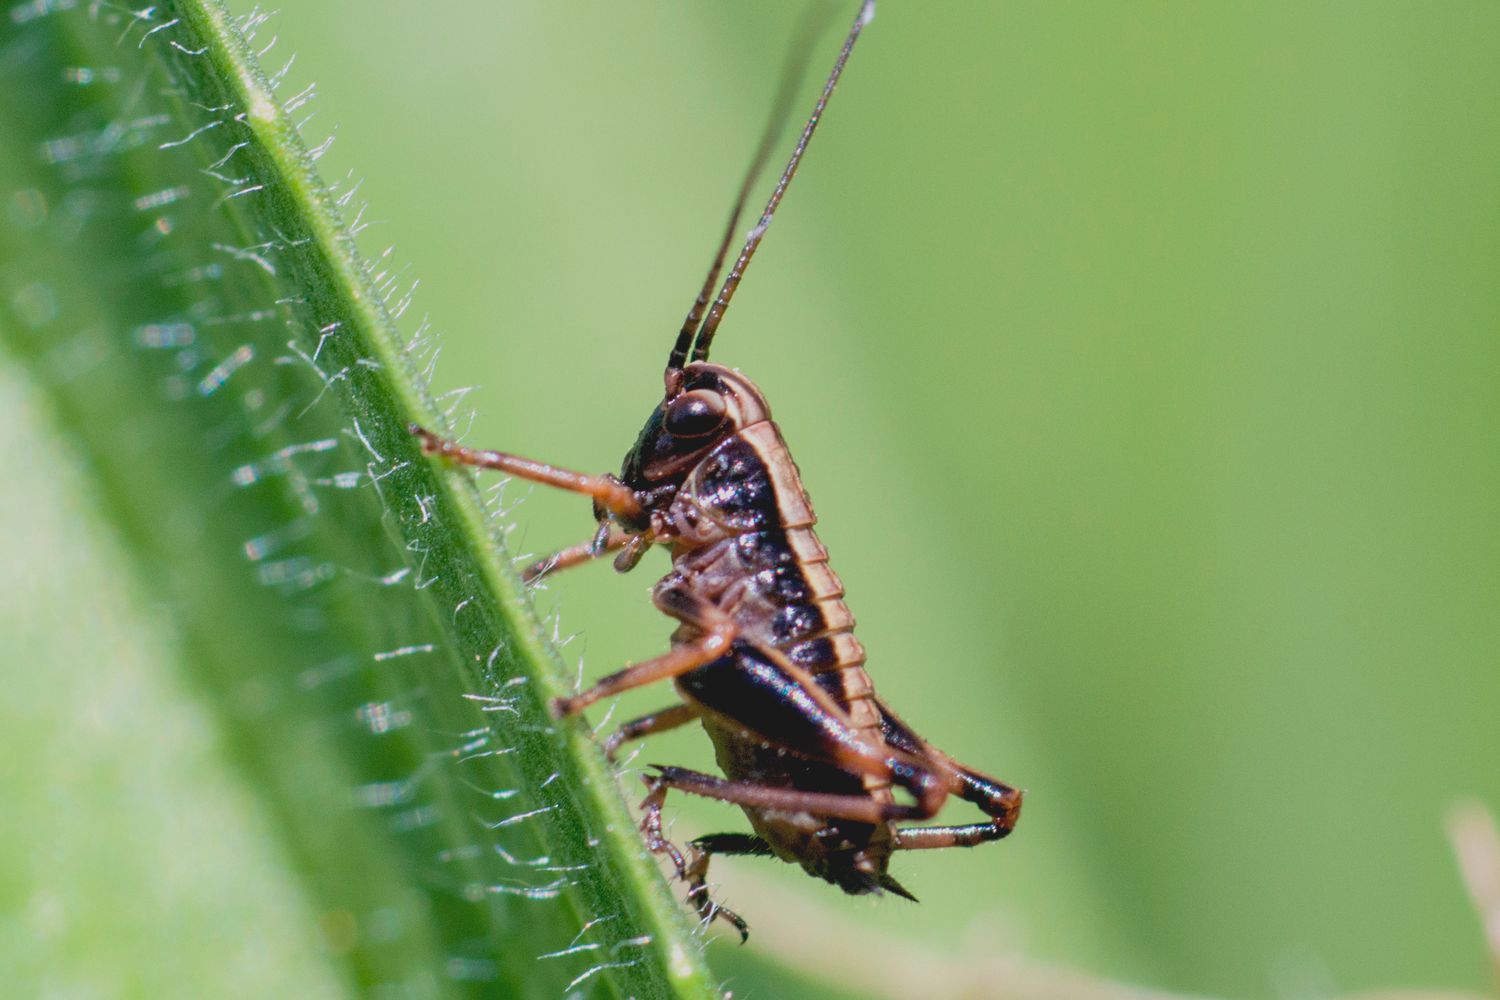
749,795
762,693
999,801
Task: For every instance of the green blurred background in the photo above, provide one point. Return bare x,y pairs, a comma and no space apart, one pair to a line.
1142,361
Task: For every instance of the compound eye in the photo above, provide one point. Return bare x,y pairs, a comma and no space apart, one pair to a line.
695,414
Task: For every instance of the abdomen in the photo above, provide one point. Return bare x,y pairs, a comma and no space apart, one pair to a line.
768,571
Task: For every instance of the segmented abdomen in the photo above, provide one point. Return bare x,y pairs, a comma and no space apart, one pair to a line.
768,570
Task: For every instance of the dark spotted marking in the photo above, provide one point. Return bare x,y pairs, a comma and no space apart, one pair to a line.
735,483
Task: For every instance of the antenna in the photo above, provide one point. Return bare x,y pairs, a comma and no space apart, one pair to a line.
716,314
813,22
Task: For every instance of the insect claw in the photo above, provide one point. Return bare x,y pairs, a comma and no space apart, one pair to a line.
658,779
560,708
601,538
714,910
430,442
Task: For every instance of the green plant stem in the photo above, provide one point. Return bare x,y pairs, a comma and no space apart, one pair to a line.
181,284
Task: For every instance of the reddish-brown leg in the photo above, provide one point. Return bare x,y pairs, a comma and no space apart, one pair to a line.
715,630
608,492
577,555
762,692
679,660
746,794
691,872
926,838
997,799
657,722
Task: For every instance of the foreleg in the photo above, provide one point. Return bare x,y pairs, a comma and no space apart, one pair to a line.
607,491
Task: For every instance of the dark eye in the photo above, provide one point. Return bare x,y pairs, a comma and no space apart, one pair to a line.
695,414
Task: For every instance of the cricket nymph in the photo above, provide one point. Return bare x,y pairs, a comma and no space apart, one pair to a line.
744,552
764,655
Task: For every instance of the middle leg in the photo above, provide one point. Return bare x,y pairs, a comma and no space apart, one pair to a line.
679,660
710,636
660,721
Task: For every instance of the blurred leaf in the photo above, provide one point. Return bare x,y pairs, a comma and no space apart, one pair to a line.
179,284
137,863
